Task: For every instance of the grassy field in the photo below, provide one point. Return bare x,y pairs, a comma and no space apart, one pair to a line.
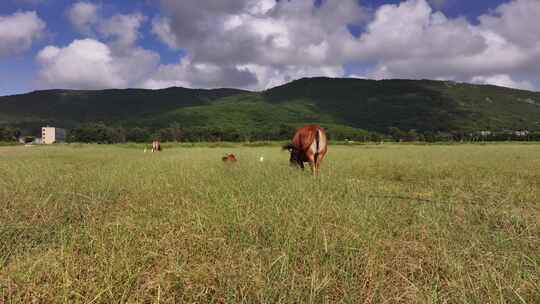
382,224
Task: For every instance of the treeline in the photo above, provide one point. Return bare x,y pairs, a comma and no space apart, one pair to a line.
101,133
9,134
398,135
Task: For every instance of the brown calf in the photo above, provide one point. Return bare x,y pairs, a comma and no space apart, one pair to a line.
229,158
309,144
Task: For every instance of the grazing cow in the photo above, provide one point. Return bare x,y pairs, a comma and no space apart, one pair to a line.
229,158
309,144
156,146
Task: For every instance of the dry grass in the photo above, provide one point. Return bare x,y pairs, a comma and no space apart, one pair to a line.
383,224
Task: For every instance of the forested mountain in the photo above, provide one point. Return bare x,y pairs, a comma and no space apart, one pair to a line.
421,105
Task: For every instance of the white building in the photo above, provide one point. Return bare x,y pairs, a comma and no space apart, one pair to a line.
51,135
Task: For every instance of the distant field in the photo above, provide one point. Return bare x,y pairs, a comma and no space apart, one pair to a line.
382,224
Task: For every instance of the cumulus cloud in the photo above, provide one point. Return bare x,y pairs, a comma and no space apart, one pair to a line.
124,29
121,29
268,76
411,40
258,44
516,21
200,75
412,30
90,64
406,40
84,16
108,58
274,41
161,27
259,31
249,76
503,80
18,31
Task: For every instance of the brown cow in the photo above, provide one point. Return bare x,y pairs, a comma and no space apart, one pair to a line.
156,146
229,158
309,144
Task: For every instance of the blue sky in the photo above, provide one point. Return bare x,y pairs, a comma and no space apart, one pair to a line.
256,44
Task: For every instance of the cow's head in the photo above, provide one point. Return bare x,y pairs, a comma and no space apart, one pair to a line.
296,158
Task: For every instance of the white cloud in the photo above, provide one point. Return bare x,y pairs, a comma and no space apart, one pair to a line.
199,75
269,77
83,64
120,31
249,76
274,41
84,16
18,31
90,64
412,30
161,27
410,40
109,58
123,28
503,80
257,44
517,21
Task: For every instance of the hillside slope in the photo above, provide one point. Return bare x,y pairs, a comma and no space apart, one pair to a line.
71,107
414,104
366,104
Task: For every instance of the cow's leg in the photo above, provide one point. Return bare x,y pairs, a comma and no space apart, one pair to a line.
311,160
320,157
319,160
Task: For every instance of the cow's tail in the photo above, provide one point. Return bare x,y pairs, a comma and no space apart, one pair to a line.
317,141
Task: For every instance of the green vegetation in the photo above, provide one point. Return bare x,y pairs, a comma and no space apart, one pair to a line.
383,224
71,108
8,134
344,105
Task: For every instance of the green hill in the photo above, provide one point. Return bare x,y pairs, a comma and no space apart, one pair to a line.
423,105
414,104
70,108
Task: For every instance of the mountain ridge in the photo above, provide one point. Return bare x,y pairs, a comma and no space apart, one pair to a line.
261,91
374,105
